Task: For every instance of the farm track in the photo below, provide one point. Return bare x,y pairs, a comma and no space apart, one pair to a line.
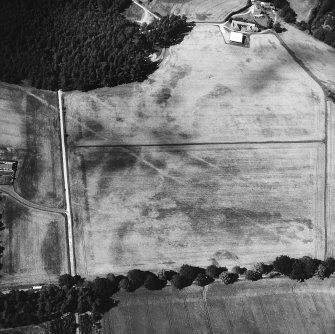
9,190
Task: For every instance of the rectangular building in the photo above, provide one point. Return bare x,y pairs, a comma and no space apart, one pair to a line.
243,26
236,37
7,172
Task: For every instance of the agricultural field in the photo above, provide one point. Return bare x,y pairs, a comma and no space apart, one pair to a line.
30,134
268,306
205,91
196,10
152,207
35,245
317,56
161,172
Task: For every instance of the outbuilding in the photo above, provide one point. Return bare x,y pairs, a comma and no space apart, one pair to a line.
7,171
243,26
236,37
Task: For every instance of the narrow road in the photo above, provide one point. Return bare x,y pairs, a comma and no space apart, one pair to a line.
9,190
66,185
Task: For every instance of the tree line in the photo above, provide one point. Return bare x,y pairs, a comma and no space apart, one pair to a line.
92,299
79,44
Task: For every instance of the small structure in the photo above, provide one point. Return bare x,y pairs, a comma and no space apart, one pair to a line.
7,171
243,26
236,37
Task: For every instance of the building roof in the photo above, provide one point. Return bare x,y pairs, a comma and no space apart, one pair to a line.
236,37
244,23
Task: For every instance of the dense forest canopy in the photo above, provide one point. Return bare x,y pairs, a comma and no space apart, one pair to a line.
79,44
322,22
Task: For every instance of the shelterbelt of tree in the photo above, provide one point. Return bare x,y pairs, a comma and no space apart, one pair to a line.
79,44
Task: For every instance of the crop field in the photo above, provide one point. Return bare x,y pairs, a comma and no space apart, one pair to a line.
197,10
268,306
35,245
150,207
205,91
197,192
316,55
29,134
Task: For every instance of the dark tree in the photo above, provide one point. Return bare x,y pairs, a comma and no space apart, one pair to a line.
166,274
126,285
238,270
179,281
277,27
66,280
136,277
78,280
310,265
102,287
252,275
190,272
202,279
298,271
322,272
330,264
228,278
152,282
214,271
259,267
283,264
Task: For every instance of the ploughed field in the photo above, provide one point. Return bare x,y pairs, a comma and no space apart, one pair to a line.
29,133
34,240
197,10
150,207
35,245
217,157
268,306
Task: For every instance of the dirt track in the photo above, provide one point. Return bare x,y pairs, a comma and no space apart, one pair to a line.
8,190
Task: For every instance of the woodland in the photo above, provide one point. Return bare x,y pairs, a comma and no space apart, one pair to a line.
80,44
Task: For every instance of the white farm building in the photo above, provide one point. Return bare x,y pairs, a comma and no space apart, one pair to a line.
236,37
